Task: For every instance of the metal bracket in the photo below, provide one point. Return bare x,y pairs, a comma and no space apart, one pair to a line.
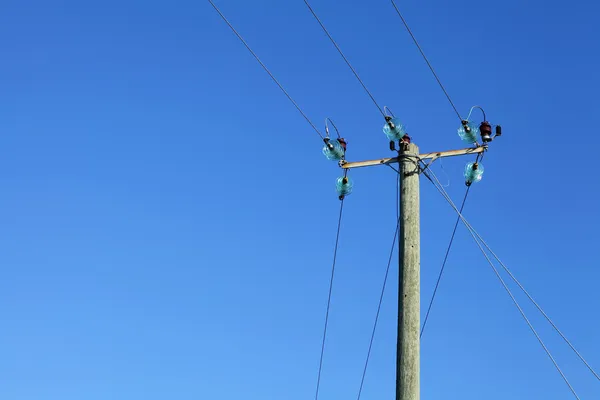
430,162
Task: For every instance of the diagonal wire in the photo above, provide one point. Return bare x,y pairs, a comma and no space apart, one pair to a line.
426,60
337,240
437,284
266,69
443,192
538,306
344,57
387,270
540,309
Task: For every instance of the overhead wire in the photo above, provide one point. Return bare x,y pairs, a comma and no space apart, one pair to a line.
334,127
472,231
426,60
537,306
437,184
267,70
533,301
441,162
480,108
387,270
439,278
387,111
335,251
468,188
344,57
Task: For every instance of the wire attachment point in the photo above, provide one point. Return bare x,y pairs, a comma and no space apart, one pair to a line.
468,132
473,173
393,129
343,187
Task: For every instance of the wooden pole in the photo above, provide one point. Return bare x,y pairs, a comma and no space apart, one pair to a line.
408,350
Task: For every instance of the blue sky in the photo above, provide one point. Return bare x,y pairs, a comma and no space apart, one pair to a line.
168,219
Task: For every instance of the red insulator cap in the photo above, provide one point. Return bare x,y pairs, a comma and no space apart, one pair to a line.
486,131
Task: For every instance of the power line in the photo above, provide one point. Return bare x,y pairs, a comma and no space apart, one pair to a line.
344,57
337,240
443,192
426,60
387,270
266,69
437,284
480,108
540,309
535,303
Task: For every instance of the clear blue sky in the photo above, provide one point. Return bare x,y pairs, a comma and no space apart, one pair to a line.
167,218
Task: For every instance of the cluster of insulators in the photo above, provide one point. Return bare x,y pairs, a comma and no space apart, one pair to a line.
335,150
473,173
469,131
343,187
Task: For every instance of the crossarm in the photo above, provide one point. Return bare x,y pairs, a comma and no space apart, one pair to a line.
426,156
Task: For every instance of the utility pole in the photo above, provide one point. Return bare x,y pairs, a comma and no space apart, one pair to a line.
409,288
